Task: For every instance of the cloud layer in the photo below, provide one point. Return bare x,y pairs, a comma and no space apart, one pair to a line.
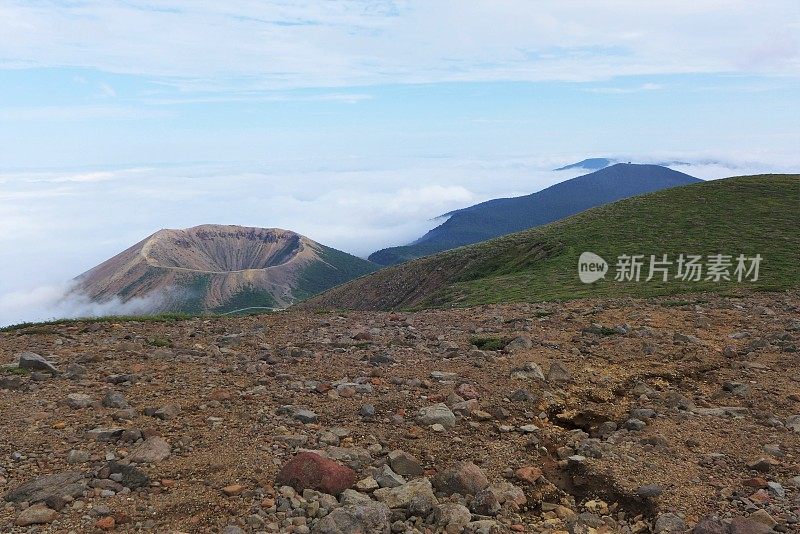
211,45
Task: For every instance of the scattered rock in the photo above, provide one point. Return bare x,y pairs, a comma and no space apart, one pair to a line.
309,470
150,451
558,373
37,514
40,489
464,478
437,414
402,496
367,517
35,362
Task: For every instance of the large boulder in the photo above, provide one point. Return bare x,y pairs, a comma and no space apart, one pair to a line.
362,518
42,488
309,470
464,478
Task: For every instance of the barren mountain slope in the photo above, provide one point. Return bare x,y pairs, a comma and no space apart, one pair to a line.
214,268
605,416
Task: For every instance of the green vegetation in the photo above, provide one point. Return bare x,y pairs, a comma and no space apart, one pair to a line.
249,297
745,215
159,341
15,371
42,327
336,267
488,343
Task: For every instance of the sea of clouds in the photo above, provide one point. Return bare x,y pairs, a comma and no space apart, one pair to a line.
56,224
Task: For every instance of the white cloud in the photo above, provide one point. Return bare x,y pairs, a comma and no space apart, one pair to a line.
271,45
49,302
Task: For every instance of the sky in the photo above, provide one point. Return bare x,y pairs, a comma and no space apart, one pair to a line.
357,122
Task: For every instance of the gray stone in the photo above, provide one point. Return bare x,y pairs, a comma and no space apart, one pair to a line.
464,478
78,400
710,525
115,399
519,343
669,523
34,362
232,529
405,464
387,478
351,496
486,503
305,416
634,424
451,517
369,517
165,413
150,451
437,414
132,477
558,373
38,514
401,496
529,371
793,423
105,433
77,457
650,490
41,488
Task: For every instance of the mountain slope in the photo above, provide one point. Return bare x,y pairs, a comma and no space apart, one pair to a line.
507,215
746,215
221,268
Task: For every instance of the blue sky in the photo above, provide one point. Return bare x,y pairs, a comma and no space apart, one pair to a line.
356,122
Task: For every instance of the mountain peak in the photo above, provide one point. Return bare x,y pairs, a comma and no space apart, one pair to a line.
214,267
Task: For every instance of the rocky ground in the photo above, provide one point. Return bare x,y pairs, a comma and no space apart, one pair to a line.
589,416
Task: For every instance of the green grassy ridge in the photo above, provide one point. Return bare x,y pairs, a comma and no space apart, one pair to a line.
749,215
41,326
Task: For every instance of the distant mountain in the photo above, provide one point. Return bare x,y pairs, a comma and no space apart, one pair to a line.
747,215
595,164
506,215
215,268
591,164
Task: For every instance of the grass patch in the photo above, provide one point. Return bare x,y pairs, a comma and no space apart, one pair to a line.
159,342
488,343
15,371
40,328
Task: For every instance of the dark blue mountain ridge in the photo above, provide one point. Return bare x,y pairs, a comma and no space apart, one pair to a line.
502,216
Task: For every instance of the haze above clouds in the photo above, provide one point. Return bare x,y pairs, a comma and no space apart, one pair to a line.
355,123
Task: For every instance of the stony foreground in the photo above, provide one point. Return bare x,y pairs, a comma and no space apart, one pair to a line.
616,416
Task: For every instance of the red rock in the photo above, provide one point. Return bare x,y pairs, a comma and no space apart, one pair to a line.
760,496
308,470
743,525
106,523
518,528
528,474
467,391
